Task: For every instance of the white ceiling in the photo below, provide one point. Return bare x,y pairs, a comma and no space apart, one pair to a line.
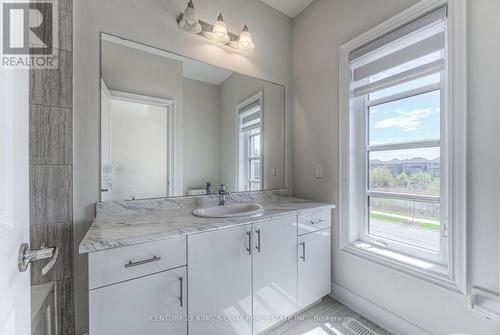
289,7
204,72
191,68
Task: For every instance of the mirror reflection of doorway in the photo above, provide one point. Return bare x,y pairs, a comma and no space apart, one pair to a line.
135,146
250,141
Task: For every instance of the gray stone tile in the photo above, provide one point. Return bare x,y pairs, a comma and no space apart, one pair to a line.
50,194
66,5
53,87
65,307
50,135
56,234
65,30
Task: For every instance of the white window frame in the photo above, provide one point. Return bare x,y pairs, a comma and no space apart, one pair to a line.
440,257
259,96
254,158
449,272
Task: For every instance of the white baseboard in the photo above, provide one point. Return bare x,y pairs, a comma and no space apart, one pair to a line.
389,321
485,302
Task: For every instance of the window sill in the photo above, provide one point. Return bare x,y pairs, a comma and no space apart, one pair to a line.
436,274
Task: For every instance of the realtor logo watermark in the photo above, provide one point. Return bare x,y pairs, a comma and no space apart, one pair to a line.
29,33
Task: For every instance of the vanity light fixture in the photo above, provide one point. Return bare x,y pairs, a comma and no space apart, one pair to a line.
245,42
217,32
220,31
189,21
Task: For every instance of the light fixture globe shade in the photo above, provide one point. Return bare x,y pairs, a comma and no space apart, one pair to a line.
189,21
245,42
219,32
190,14
192,28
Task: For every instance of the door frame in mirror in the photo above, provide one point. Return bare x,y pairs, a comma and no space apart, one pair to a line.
171,145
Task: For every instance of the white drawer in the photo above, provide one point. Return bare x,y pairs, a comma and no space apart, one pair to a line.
314,221
115,265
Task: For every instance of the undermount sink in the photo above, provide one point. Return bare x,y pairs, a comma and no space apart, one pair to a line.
229,211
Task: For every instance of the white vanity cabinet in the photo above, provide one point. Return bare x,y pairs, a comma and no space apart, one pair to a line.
220,282
153,305
314,249
243,272
234,280
139,289
274,271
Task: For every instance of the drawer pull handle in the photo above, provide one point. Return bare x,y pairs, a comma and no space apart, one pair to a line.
316,221
181,297
249,249
131,264
303,257
258,240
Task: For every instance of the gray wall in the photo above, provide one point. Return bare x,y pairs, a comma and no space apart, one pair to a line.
51,169
201,151
152,22
317,35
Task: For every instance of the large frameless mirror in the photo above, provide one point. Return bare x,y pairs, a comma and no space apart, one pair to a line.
173,126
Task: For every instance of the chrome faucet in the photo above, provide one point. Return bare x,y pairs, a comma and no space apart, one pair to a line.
222,194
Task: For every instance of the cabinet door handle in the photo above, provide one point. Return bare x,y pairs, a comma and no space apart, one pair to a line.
181,296
303,257
249,249
258,240
316,221
131,264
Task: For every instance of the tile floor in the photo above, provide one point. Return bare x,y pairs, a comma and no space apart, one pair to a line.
325,318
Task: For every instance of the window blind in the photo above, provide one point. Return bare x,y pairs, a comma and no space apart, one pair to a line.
412,51
250,116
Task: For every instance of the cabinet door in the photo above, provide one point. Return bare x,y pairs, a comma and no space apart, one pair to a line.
274,272
314,267
151,305
220,282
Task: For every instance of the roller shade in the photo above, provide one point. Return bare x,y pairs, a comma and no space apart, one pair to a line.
250,116
412,51
248,108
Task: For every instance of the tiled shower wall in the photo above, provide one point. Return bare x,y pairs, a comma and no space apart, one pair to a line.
51,166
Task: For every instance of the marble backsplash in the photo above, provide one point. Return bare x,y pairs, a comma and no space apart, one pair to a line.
143,206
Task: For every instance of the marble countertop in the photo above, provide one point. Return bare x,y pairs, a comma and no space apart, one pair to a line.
133,222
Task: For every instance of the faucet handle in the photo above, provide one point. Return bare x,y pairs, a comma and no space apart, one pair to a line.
222,187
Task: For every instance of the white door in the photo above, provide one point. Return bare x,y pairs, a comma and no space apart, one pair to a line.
220,282
153,305
274,272
14,201
314,267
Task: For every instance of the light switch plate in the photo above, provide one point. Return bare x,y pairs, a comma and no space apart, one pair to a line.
318,171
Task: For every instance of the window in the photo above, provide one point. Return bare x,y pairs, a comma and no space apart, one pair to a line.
250,144
401,143
254,159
